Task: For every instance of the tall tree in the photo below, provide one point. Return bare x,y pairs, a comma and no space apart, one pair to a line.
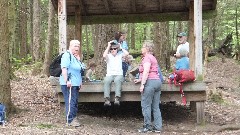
36,30
50,37
5,89
31,27
104,35
23,28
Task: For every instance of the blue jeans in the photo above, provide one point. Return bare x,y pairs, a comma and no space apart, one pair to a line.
150,100
73,102
124,68
118,80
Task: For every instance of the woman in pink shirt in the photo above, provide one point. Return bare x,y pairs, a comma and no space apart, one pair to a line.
150,90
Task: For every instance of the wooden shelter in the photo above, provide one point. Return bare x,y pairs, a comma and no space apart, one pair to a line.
81,12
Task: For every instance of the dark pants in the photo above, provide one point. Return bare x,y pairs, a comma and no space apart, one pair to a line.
72,111
124,68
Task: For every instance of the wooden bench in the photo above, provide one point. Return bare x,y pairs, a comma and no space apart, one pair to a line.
93,92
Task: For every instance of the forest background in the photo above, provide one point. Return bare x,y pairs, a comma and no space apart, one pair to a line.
30,33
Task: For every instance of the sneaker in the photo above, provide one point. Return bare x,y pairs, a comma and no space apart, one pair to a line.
75,123
107,102
144,129
117,102
156,130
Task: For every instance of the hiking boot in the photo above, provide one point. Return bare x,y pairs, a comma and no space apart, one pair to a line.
107,102
75,123
117,102
156,130
145,129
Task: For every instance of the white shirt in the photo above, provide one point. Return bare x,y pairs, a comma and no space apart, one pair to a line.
114,64
185,46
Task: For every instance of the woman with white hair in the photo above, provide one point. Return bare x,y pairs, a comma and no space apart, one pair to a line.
150,90
183,61
71,81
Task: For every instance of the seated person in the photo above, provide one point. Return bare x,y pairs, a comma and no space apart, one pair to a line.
114,71
90,71
182,62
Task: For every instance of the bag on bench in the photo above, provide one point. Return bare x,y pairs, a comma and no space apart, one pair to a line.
179,77
2,114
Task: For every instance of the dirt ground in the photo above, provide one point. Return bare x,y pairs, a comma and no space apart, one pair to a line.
41,114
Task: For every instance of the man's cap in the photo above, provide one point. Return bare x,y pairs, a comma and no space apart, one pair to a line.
115,44
181,34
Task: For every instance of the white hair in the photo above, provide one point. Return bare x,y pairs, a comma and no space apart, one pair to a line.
74,43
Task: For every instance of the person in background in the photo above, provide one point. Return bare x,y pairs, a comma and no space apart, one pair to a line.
182,62
114,71
90,71
71,81
120,37
150,90
182,39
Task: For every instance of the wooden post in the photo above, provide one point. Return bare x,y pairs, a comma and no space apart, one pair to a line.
198,38
200,112
191,37
78,28
62,22
195,38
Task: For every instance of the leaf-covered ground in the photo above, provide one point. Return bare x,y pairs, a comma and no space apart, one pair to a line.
41,114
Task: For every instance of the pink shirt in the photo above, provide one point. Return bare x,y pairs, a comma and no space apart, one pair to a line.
153,72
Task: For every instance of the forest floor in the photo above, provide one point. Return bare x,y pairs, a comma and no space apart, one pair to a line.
40,112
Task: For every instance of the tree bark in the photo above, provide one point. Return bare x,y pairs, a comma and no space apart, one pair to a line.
5,89
36,30
50,37
104,34
133,31
23,28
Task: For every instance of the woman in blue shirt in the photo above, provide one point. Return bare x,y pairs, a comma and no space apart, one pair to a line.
71,81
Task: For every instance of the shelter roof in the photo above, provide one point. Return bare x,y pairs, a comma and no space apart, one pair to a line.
119,11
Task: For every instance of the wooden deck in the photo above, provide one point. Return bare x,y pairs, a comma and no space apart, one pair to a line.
93,92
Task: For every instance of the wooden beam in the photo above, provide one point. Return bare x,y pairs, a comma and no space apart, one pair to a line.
62,20
214,4
106,4
83,7
133,6
138,18
161,5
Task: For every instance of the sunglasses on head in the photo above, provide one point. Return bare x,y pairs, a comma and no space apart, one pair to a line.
113,48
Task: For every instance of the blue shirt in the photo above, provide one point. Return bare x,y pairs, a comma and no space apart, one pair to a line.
74,67
124,45
182,63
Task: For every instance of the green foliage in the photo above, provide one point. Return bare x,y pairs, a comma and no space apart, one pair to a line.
18,63
44,126
216,97
199,78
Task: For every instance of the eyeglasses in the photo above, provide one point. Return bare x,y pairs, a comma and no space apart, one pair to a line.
113,48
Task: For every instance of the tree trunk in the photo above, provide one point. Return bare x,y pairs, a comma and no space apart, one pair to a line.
104,34
133,30
161,44
50,37
23,28
237,34
5,89
36,30
31,28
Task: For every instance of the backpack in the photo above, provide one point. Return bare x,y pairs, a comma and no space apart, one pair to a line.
2,114
55,67
179,77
